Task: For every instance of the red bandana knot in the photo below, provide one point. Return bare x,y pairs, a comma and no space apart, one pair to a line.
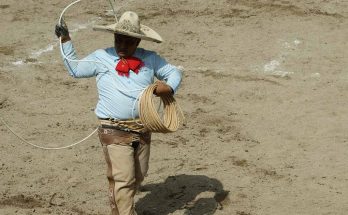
126,64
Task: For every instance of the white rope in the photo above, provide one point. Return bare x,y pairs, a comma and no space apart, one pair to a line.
42,147
61,15
137,99
65,57
113,10
72,60
92,61
60,39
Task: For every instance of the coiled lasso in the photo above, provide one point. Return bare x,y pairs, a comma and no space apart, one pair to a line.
172,119
173,116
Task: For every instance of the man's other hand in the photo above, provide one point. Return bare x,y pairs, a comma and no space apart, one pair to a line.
62,31
163,89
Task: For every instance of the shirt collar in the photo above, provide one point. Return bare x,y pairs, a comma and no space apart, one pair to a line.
137,54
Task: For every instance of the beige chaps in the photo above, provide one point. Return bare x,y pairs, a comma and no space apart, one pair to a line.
127,157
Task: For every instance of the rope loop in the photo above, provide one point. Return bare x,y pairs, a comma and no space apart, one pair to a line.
172,118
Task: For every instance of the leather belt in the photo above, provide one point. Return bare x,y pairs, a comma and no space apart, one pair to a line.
134,126
119,128
109,136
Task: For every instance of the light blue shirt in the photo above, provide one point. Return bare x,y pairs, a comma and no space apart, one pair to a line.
118,95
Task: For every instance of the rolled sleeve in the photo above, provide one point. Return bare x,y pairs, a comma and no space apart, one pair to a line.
78,69
167,72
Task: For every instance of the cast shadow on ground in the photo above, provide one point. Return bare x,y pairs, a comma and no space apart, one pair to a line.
192,194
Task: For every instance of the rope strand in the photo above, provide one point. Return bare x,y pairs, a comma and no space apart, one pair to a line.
173,116
42,147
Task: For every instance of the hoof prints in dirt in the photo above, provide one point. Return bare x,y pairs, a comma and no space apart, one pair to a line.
195,98
4,6
281,8
243,213
22,201
255,79
235,9
6,50
4,102
38,202
254,169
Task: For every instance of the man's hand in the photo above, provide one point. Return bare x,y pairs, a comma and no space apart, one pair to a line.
163,89
62,31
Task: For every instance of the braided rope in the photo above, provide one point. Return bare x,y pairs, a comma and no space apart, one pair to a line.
173,116
43,147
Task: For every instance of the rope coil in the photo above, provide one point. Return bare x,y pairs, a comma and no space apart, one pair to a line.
173,116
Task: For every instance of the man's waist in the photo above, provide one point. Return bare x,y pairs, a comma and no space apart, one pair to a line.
129,125
107,111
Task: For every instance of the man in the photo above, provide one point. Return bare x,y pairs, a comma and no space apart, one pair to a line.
122,72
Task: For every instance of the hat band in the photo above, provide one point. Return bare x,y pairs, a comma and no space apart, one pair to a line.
126,25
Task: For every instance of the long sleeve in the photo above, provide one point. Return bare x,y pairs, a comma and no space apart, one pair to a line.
118,94
79,69
167,72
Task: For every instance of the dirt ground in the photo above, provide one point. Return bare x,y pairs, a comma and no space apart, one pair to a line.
264,93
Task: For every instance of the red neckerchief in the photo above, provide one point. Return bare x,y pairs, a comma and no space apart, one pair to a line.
126,64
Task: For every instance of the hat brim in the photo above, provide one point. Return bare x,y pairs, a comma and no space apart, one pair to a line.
146,33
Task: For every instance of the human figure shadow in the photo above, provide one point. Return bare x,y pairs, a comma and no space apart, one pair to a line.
194,194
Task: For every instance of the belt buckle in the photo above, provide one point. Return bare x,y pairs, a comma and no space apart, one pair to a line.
106,131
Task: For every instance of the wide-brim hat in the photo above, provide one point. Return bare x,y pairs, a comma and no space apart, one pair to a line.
129,25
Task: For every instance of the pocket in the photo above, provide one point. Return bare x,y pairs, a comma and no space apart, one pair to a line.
105,139
109,136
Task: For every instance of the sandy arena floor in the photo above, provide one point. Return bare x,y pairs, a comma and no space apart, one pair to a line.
264,92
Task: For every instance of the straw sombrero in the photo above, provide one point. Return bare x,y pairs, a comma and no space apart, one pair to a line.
129,25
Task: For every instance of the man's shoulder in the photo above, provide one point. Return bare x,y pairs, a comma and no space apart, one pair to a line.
144,53
110,50
106,51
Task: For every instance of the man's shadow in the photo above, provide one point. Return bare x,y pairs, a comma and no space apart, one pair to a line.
194,194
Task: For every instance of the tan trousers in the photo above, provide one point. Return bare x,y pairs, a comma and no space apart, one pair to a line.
127,166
